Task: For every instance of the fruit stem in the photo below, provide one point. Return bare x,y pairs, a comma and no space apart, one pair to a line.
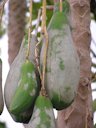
43,17
45,35
61,6
37,48
49,7
30,29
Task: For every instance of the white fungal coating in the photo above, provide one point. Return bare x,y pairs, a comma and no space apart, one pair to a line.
33,75
43,126
13,78
35,120
29,75
25,86
19,82
33,92
36,112
62,60
50,113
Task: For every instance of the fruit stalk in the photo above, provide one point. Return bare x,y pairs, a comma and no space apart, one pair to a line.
61,6
30,29
45,35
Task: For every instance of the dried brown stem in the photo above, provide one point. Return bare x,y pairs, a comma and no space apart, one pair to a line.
49,7
37,44
61,6
45,35
30,29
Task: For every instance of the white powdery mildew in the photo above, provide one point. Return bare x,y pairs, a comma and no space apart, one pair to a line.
50,113
35,120
36,112
33,75
43,126
25,86
29,75
19,82
32,93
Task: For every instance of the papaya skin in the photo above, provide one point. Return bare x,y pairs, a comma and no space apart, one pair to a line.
57,23
43,116
62,60
59,104
23,117
60,18
14,77
26,91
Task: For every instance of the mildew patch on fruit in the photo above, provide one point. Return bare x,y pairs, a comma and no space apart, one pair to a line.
33,75
50,114
35,120
43,126
29,75
19,82
25,86
33,92
45,119
36,112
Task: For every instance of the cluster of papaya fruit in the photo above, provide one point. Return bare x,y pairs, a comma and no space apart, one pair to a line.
22,94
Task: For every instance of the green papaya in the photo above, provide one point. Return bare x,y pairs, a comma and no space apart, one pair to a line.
27,89
13,78
1,95
43,116
63,66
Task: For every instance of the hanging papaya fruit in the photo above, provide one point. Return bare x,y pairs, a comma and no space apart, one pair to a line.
27,89
14,77
1,94
43,116
63,67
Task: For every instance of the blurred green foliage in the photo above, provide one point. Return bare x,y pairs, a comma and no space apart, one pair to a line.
37,6
2,31
2,125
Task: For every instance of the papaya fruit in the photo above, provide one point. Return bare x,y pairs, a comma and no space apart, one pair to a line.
27,89
1,94
43,116
63,66
13,78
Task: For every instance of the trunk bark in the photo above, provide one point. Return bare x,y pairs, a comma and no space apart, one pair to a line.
17,9
79,114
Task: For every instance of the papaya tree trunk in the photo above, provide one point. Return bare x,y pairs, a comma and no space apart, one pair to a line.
79,114
17,9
